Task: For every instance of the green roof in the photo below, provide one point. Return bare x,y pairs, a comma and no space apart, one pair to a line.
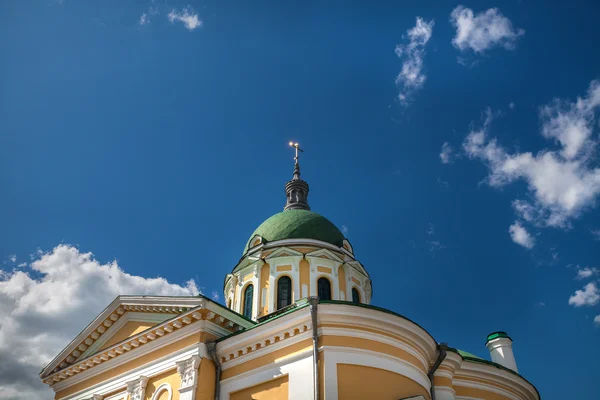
496,335
298,224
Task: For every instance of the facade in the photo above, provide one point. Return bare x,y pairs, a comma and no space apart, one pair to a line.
297,324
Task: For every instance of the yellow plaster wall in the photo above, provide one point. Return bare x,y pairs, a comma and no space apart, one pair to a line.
325,270
118,370
462,391
171,377
358,343
266,359
356,281
360,382
129,329
276,389
284,268
206,380
304,276
342,281
264,283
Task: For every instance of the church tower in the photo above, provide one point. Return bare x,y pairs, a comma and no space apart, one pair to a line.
292,255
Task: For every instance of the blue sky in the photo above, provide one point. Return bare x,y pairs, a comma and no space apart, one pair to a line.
155,134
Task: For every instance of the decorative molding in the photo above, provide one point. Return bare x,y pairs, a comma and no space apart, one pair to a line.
188,370
165,387
137,388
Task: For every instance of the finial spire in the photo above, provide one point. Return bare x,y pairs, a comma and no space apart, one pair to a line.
296,190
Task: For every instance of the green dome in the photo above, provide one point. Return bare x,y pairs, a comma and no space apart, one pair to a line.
298,224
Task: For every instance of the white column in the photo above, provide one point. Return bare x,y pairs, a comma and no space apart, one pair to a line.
137,389
188,370
444,393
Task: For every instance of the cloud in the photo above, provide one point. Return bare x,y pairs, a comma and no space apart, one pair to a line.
12,258
586,272
589,296
519,235
435,246
482,31
146,17
562,184
344,230
215,295
43,307
430,229
446,154
595,234
186,16
411,77
511,105
597,320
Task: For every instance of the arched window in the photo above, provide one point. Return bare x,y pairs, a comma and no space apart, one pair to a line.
284,292
355,296
248,297
324,288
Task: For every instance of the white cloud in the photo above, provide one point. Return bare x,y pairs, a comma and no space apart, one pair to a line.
562,183
586,272
186,16
482,31
146,17
215,295
589,296
519,235
511,105
597,319
12,258
446,154
411,77
595,234
45,306
430,229
344,230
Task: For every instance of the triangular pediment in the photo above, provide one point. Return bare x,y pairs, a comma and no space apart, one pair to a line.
284,252
326,254
132,322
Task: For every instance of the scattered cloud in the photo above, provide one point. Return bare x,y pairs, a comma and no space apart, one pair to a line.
435,246
443,184
589,296
483,31
344,229
146,17
511,105
215,295
586,272
446,153
23,264
597,320
520,236
430,229
541,304
412,77
46,305
12,258
595,234
562,184
186,16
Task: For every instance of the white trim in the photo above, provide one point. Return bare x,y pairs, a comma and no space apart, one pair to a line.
486,388
334,355
298,368
160,389
132,316
200,326
149,370
376,337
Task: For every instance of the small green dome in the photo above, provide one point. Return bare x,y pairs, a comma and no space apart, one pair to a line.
298,224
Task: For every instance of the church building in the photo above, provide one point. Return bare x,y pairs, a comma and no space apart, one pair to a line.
298,324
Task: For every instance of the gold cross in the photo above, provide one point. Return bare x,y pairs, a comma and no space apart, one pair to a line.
297,147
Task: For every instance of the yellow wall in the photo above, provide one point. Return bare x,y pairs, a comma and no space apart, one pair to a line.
358,343
206,380
129,329
304,276
477,393
276,389
264,283
284,268
342,281
266,359
359,382
170,377
163,351
325,270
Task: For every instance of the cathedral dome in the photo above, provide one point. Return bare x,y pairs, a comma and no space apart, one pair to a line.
298,224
